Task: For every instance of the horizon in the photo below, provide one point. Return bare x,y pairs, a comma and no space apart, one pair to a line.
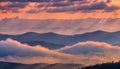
83,32
75,26
61,33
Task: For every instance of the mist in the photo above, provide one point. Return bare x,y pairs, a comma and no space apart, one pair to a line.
81,53
77,26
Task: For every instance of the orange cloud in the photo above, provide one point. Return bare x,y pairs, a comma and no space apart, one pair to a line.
78,15
60,10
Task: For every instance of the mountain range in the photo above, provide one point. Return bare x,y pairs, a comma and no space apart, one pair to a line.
10,65
54,41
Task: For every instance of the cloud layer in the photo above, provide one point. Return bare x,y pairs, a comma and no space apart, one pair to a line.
93,51
90,47
36,6
13,48
13,51
81,53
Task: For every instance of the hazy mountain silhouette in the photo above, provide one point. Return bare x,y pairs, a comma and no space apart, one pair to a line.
51,40
9,65
45,44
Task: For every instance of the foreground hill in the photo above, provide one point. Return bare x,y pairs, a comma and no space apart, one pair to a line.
105,66
55,41
8,65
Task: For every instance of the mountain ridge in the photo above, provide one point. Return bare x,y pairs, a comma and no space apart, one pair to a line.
63,40
11,65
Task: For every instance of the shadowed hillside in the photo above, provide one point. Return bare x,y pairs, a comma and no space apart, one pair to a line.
8,65
55,41
104,66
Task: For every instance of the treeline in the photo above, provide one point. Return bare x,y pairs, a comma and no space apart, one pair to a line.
112,65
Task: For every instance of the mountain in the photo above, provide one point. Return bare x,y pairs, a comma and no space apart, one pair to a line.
9,65
105,66
101,36
52,39
45,44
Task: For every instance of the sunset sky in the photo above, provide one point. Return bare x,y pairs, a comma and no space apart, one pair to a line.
60,23
59,9
20,16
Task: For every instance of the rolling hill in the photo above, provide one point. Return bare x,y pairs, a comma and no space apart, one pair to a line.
55,41
9,65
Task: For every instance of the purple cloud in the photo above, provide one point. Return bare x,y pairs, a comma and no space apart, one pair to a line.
60,6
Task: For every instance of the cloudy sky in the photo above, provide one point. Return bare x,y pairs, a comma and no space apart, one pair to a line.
60,26
59,9
78,16
60,16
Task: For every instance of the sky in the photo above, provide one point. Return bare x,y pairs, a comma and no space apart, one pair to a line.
59,9
82,15
66,17
59,26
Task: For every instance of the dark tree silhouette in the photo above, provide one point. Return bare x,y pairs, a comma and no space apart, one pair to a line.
111,65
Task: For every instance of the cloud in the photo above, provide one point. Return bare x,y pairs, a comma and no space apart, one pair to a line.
58,6
13,7
90,47
27,0
93,51
14,48
89,7
13,51
96,52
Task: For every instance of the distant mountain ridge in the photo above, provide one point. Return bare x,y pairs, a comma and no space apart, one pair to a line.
10,65
52,39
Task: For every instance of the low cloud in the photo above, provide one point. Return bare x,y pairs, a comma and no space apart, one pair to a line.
93,51
90,47
81,53
13,51
13,48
